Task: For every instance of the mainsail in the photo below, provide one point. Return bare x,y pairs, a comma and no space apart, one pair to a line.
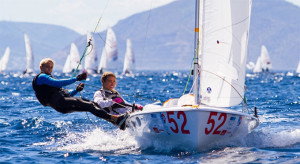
72,60
90,64
4,59
109,53
29,55
129,60
223,51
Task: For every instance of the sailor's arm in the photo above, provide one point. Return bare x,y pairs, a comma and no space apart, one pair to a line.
48,80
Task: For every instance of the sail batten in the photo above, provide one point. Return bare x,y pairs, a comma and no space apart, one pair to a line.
224,51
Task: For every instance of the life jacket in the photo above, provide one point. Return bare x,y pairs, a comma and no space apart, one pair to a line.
112,95
44,92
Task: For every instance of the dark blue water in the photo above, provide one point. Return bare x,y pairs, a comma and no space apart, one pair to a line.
31,133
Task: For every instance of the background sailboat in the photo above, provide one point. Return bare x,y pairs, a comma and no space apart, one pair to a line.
198,121
129,61
90,63
29,56
109,55
4,59
266,64
263,63
72,60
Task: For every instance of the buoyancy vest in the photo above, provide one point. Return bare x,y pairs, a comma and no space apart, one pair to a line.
44,92
112,95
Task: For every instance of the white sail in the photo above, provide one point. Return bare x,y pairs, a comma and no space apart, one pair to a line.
129,60
257,67
109,53
4,59
67,67
224,51
90,64
298,68
72,60
265,59
29,55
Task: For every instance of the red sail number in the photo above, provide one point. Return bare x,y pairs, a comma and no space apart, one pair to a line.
212,122
171,120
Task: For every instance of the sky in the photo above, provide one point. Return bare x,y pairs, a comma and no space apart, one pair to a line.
79,15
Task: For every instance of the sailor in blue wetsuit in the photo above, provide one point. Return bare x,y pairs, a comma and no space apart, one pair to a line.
49,92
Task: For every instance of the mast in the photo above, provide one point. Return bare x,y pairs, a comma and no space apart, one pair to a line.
196,53
196,48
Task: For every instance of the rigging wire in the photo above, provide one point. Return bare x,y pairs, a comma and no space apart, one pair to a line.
89,42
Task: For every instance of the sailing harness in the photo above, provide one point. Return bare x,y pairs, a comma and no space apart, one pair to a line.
112,95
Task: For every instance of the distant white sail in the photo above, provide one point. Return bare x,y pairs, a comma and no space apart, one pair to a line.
109,55
265,59
223,51
257,67
4,59
29,55
72,60
298,68
129,60
250,66
90,64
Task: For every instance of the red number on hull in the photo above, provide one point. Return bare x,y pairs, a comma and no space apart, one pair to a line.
171,120
213,122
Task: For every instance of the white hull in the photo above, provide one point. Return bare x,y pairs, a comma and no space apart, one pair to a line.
189,127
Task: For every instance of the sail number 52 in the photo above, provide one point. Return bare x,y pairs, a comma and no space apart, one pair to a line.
211,121
173,121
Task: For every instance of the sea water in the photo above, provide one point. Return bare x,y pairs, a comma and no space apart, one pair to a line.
31,133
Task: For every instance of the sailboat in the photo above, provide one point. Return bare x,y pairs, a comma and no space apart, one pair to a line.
90,63
109,55
129,60
263,63
265,59
298,68
29,56
205,117
4,59
72,60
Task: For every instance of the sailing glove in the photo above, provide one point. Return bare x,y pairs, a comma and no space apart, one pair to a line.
80,87
81,76
139,107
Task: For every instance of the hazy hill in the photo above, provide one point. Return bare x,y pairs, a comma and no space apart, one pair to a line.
163,37
45,40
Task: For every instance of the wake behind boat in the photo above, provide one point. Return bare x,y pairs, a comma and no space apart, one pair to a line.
200,119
